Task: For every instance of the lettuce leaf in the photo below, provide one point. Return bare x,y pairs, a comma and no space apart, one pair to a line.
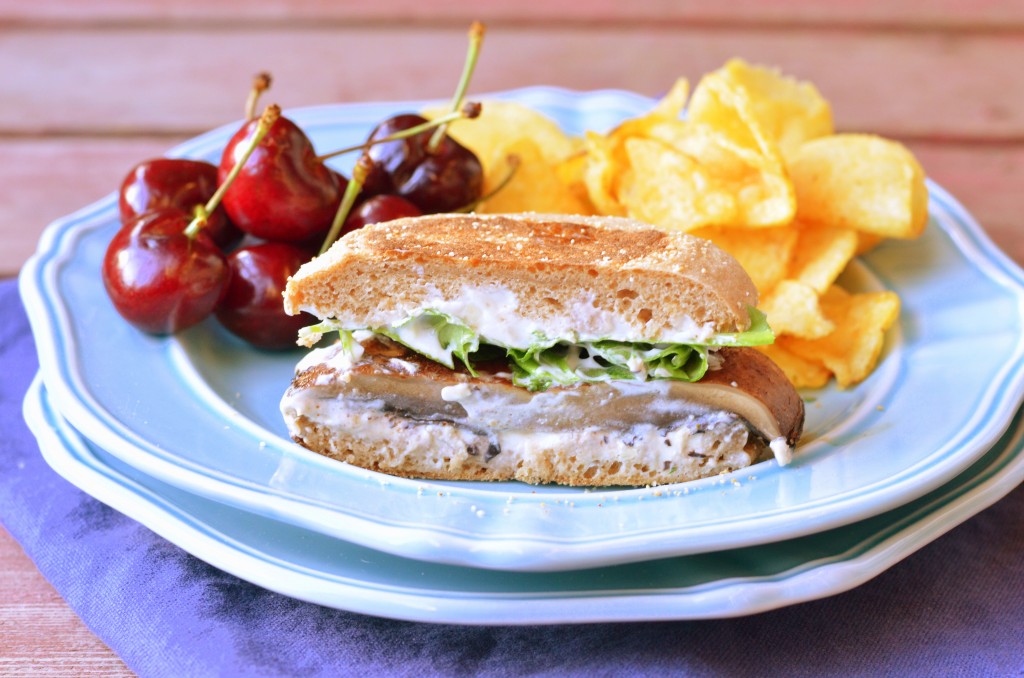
758,334
311,334
546,363
436,335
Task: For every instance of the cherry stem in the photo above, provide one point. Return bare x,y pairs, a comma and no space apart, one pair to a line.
513,162
260,84
470,109
476,37
202,212
355,185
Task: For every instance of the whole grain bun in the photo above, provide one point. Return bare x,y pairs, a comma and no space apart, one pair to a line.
575,277
592,457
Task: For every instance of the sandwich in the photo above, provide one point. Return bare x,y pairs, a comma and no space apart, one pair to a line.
587,351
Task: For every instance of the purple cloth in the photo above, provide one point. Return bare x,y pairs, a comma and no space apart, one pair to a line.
955,608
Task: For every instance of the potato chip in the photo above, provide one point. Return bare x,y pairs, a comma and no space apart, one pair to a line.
722,103
672,104
535,185
852,350
801,372
821,255
793,309
570,174
670,189
713,177
860,181
725,106
504,123
867,242
762,191
726,184
764,253
602,172
789,111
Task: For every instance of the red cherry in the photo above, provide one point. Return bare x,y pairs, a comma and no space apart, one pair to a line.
160,279
377,209
393,158
430,169
180,183
283,192
442,178
447,180
252,307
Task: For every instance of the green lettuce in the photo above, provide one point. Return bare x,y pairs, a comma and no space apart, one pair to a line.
436,335
561,363
546,363
758,334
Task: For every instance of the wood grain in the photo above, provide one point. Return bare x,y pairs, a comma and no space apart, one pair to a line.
989,15
31,611
47,178
916,85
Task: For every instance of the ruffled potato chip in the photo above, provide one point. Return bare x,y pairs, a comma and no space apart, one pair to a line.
670,189
788,111
602,171
862,182
852,350
821,254
801,372
502,124
793,309
765,253
535,185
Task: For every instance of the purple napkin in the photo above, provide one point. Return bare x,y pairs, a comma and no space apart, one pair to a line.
955,608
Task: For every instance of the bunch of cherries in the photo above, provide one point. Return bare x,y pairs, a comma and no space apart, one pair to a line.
200,239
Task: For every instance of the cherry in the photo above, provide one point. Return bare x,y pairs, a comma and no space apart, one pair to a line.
252,308
160,279
176,182
447,179
283,192
395,157
161,270
377,209
429,169
439,180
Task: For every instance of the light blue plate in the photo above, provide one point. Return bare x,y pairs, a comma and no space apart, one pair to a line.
319,569
199,411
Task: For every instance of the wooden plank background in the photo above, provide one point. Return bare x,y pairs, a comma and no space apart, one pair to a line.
89,88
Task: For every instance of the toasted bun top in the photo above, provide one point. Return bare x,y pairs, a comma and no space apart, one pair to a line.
570,277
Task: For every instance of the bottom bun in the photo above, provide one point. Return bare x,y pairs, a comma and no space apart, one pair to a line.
641,455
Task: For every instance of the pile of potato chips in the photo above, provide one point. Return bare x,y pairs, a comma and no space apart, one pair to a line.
756,167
